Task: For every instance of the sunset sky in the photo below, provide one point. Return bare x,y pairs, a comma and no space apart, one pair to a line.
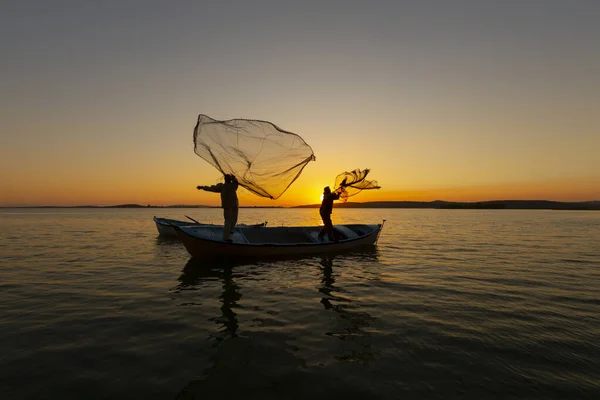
451,100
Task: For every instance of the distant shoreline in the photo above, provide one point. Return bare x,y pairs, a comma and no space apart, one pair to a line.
139,206
478,205
437,204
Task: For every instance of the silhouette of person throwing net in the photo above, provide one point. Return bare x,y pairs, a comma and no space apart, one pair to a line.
229,202
326,210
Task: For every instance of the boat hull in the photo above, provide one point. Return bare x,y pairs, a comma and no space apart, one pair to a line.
165,228
205,248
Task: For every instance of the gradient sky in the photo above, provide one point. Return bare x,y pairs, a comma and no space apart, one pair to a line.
453,100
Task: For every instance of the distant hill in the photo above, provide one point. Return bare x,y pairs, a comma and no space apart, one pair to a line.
140,206
437,204
494,204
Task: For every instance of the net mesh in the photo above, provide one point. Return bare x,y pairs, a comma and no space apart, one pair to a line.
264,158
349,184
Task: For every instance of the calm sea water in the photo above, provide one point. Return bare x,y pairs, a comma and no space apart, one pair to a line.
451,303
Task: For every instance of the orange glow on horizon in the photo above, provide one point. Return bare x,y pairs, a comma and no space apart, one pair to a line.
70,194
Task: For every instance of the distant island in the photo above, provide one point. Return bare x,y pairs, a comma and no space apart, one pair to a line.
140,206
488,205
437,204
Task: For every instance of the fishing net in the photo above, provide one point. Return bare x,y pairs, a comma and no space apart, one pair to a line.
349,184
264,158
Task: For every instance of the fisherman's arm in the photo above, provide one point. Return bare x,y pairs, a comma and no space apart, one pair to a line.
214,188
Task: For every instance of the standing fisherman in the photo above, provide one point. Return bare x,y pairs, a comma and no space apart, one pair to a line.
229,202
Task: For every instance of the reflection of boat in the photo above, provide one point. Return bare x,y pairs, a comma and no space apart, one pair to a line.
196,273
249,242
248,366
165,225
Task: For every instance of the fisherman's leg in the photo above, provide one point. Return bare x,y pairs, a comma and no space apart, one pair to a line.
330,230
233,223
234,217
227,225
323,230
329,227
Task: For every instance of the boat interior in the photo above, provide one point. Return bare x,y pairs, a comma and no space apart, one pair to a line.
168,222
283,235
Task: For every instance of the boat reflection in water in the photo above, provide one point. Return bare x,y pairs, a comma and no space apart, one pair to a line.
196,273
263,363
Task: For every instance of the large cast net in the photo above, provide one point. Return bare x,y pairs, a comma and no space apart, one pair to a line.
349,184
264,158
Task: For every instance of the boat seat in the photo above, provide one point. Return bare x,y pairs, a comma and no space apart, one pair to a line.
313,234
347,232
239,237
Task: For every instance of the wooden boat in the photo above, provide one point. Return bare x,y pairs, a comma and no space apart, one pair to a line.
206,242
165,225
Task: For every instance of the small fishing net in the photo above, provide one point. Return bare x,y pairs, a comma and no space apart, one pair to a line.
264,158
349,184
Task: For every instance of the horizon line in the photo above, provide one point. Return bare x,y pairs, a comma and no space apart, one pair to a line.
136,205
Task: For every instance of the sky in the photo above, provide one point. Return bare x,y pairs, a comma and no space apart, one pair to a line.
450,100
